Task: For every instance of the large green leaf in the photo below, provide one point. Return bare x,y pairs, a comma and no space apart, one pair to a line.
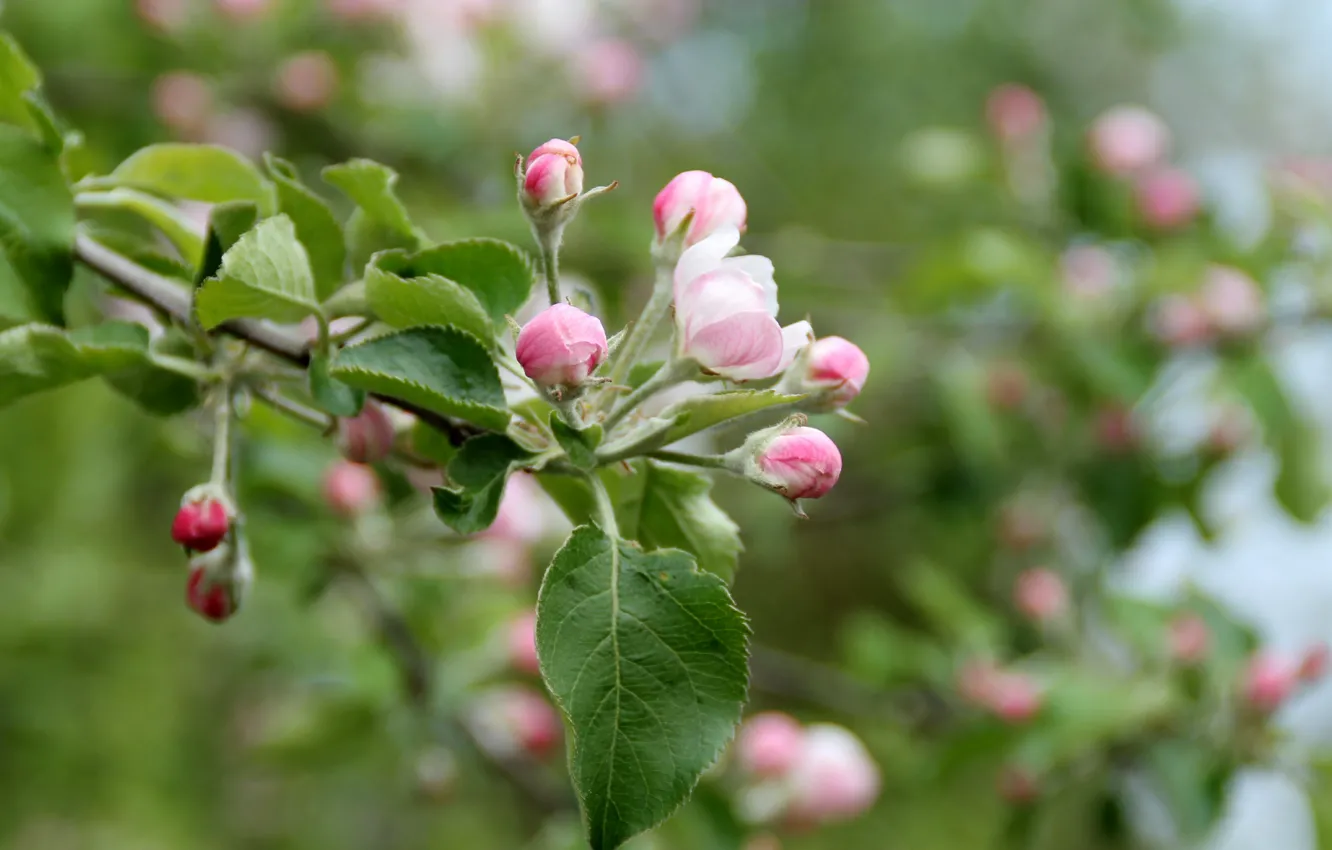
677,512
266,274
700,412
499,274
227,223
439,368
329,394
18,76
316,227
425,300
208,173
479,472
164,216
381,221
36,230
646,655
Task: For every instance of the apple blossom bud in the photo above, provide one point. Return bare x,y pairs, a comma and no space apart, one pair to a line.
1268,681
1089,272
351,489
1231,301
243,10
551,174
561,347
835,370
522,512
791,459
1179,322
715,203
203,520
1015,113
210,599
1167,198
307,81
218,581
515,719
520,642
368,436
1015,698
834,777
769,744
1313,666
1188,639
609,71
1017,786
1041,595
183,101
1126,139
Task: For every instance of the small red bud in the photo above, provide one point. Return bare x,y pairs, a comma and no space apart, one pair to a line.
201,525
366,437
1268,682
1313,666
207,597
1041,595
351,489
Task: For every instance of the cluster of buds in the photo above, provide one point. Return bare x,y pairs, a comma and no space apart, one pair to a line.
1270,679
802,775
1228,304
1011,696
220,572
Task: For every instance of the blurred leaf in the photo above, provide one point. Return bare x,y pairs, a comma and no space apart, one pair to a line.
329,394
207,173
36,230
425,300
950,608
660,644
499,274
381,221
480,470
431,443
17,77
318,230
164,216
227,223
440,368
266,274
579,445
1192,780
700,412
675,511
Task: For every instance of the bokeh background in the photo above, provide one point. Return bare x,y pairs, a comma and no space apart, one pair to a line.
1005,430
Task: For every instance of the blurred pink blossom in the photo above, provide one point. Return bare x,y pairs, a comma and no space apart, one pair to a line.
359,10
243,130
521,516
183,101
1188,639
769,744
1041,594
307,81
243,10
1088,272
1179,322
1167,198
609,71
520,643
169,16
1231,300
1126,139
1015,113
1268,681
834,777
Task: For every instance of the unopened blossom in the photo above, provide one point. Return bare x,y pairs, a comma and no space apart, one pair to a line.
1180,322
202,521
1015,113
835,369
834,778
1167,198
1127,139
797,462
351,489
552,173
183,101
1188,639
1268,681
307,81
1088,272
520,644
522,512
769,744
1041,594
209,598
715,203
368,436
562,346
609,71
515,720
1231,301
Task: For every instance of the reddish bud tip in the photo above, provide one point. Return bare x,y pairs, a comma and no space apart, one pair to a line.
1041,595
210,599
368,436
1313,666
201,525
1268,682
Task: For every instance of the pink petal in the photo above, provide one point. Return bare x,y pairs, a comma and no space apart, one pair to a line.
795,336
742,347
704,257
715,296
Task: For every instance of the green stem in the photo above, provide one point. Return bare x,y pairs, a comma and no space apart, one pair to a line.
605,508
707,461
641,332
549,240
222,439
360,326
671,373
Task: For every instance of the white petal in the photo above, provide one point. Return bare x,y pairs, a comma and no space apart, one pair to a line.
760,269
795,336
705,256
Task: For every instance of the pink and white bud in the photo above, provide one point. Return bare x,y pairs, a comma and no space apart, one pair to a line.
243,10
1015,698
726,312
1041,595
520,642
1268,682
1188,639
552,173
183,101
834,778
562,346
1179,322
609,71
1231,301
351,489
1313,665
207,598
1015,113
515,719
368,436
218,581
1127,139
794,460
202,521
836,369
1089,272
769,744
716,204
307,81
1167,198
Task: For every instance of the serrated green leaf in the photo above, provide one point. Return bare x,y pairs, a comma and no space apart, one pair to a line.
208,173
700,412
48,128
499,274
647,657
676,511
371,186
425,300
35,358
439,368
329,394
227,223
579,445
316,227
479,472
164,216
36,229
17,77
266,274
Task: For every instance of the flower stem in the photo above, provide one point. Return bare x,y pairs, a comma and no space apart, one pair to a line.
672,372
641,332
222,438
687,459
549,239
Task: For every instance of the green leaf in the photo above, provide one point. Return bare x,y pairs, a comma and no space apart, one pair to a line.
18,76
36,229
371,186
266,274
639,374
164,216
579,445
156,387
227,223
429,442
647,657
316,227
499,274
439,368
208,173
34,358
700,412
329,394
480,470
426,300
677,512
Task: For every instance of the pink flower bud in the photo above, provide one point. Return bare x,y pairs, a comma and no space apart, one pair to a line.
307,81
769,744
1167,198
1179,322
243,10
1268,682
1089,272
553,172
1041,595
715,203
609,71
208,597
1313,666
520,641
799,462
1126,139
834,777
726,312
562,346
351,489
1015,113
1188,639
1015,698
183,101
1231,301
168,16
201,523
975,682
368,436
836,368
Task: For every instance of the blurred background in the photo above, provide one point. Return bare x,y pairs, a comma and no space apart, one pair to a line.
1099,347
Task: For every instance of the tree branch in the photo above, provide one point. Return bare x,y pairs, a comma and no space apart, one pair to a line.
168,296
